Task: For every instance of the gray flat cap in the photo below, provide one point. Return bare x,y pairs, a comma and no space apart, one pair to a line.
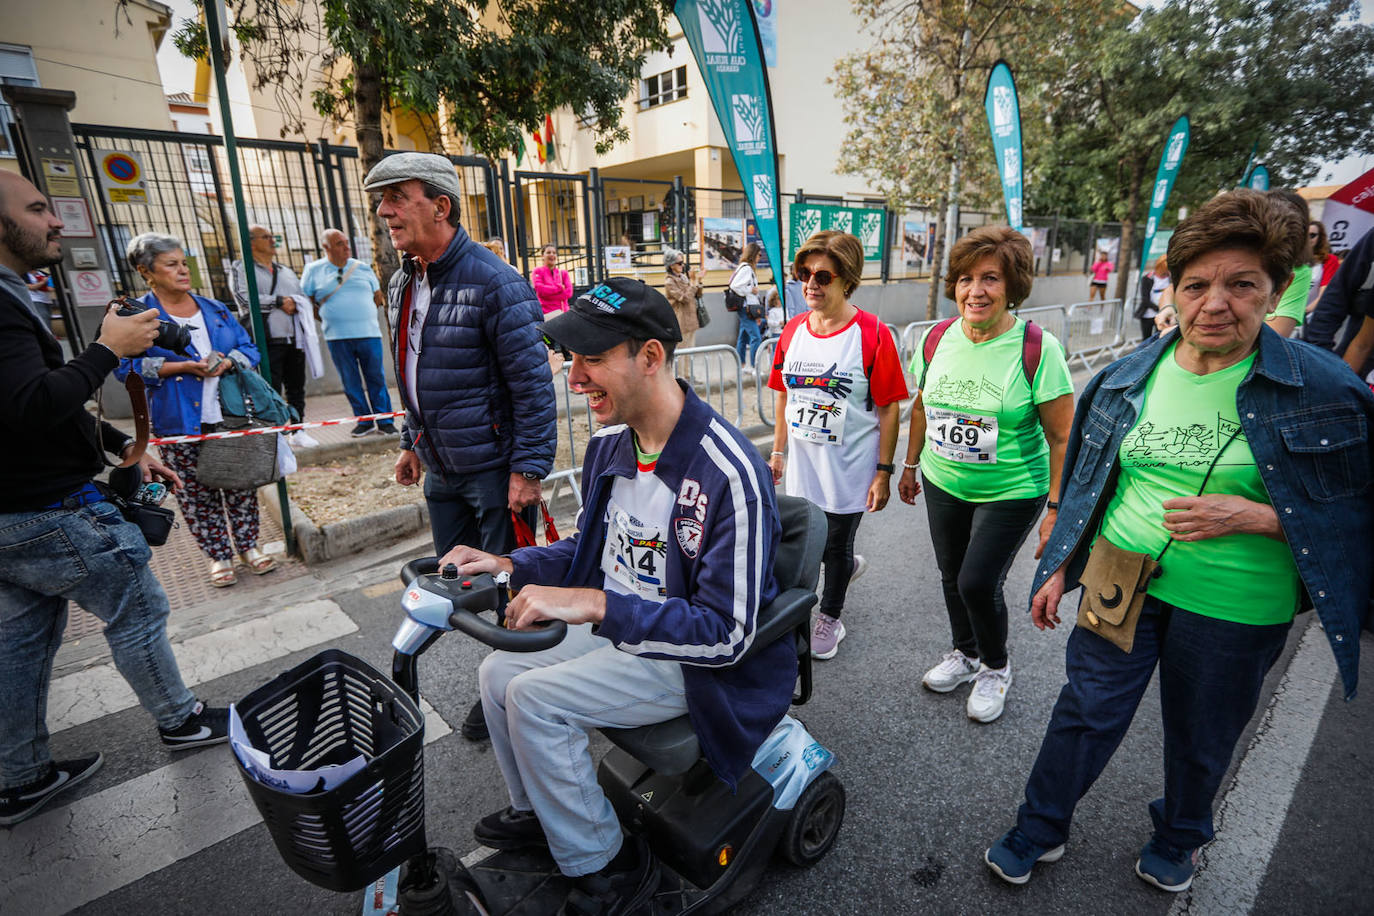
427,167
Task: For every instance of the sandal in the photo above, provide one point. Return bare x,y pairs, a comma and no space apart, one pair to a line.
258,562
222,573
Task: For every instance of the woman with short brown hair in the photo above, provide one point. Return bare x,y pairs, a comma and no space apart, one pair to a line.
992,428
1222,473
839,386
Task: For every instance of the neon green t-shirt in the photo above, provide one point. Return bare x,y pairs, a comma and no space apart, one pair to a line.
1293,303
983,435
1186,418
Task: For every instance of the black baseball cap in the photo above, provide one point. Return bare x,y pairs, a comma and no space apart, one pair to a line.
612,312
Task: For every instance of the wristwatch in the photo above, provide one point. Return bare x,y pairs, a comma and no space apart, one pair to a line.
889,467
531,475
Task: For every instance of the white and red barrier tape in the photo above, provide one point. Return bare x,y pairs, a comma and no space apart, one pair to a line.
263,430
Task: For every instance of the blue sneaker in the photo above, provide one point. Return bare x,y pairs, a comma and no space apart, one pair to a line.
1013,856
1166,866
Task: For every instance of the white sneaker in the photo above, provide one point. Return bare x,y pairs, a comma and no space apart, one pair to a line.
955,668
302,439
989,693
860,567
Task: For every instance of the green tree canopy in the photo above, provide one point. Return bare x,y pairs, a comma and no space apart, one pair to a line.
438,60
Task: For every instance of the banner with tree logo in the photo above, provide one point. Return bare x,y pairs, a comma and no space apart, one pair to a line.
804,220
1259,178
1004,122
1169,162
724,39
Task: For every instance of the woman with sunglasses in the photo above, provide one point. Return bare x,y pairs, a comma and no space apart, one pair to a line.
1323,262
839,381
991,420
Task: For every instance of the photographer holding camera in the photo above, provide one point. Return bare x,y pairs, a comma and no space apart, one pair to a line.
60,539
183,398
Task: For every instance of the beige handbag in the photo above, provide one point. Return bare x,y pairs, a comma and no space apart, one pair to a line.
1115,581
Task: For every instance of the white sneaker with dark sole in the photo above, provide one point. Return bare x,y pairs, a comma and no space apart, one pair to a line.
954,668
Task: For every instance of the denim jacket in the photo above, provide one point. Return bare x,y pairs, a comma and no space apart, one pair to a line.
1307,418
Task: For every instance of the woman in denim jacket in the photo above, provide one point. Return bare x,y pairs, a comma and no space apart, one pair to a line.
1247,456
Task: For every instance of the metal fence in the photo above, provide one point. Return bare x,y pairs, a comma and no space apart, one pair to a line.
296,190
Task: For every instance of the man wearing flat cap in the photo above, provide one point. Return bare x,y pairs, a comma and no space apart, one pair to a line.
471,366
660,588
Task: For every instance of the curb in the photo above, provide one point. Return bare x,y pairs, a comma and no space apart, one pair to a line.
330,451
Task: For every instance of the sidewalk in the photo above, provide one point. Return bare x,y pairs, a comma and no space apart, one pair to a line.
184,571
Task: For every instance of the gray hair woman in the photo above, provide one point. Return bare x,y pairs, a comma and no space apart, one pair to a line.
1215,482
183,399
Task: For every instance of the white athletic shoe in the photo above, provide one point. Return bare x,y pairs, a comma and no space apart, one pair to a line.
301,439
989,693
860,567
955,668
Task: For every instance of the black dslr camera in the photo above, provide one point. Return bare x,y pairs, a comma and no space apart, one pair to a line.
170,335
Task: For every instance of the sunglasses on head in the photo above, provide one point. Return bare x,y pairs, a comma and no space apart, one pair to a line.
823,278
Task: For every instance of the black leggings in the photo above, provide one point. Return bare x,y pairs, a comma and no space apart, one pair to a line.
838,559
974,546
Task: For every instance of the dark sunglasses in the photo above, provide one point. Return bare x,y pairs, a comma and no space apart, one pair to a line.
823,278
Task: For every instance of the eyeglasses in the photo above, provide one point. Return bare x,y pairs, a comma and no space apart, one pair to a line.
339,277
823,278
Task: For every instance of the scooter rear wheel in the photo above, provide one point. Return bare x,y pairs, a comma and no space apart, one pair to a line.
815,822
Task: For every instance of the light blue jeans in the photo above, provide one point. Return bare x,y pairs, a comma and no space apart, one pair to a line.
94,557
539,707
747,343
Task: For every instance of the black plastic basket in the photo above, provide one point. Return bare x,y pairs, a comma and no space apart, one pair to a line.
325,711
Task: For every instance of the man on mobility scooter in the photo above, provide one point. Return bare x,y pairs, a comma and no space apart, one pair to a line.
660,589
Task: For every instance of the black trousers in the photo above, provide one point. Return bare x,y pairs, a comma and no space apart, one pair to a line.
974,546
838,559
288,372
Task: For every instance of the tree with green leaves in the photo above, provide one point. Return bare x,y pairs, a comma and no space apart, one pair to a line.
1294,76
445,62
914,99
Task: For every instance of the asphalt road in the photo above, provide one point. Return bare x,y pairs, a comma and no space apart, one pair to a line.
928,789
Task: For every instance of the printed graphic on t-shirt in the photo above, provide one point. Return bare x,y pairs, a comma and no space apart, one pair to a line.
635,554
816,402
1183,446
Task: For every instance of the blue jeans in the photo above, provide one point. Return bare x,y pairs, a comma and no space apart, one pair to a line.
750,335
359,361
1210,675
94,557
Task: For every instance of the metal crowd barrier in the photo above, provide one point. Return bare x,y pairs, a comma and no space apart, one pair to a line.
1089,332
1095,330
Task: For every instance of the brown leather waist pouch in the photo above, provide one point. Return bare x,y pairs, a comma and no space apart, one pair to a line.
1114,583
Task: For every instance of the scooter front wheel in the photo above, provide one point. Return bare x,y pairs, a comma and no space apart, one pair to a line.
815,822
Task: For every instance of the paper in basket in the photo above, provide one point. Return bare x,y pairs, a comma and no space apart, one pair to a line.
258,764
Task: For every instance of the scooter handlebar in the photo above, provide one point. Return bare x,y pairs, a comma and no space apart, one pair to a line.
467,620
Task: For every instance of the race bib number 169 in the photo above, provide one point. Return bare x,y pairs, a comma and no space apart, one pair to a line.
964,437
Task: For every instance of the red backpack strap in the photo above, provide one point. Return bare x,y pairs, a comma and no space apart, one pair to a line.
785,340
868,348
928,349
1031,347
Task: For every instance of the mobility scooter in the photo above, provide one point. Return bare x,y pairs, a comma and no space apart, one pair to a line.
713,845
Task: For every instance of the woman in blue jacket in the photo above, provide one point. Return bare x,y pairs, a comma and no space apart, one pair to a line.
183,399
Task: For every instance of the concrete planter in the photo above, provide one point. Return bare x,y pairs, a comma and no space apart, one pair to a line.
348,537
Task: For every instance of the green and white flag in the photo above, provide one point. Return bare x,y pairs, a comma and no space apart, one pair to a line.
724,38
1169,162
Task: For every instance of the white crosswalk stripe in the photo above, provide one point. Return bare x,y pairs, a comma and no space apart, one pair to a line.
85,696
71,855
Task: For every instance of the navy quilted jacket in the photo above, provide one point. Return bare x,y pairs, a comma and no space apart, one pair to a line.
484,386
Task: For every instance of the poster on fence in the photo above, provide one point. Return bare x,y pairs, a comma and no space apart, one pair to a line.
722,242
806,220
751,234
916,244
